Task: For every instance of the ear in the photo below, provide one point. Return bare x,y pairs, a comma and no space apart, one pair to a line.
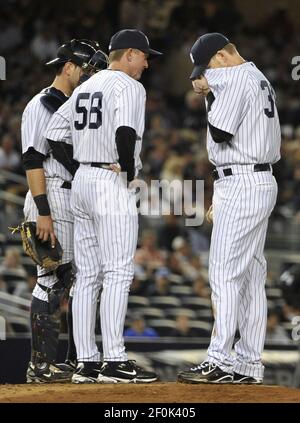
221,57
68,68
221,54
129,54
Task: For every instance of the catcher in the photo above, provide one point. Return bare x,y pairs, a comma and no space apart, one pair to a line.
49,175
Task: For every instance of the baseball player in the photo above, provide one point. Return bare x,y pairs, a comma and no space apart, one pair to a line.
48,204
107,123
243,141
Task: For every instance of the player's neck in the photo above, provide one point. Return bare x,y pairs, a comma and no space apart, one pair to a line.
117,66
62,85
237,60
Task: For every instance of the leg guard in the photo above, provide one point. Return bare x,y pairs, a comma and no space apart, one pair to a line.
45,332
61,289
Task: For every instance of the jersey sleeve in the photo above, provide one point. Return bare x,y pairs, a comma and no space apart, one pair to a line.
130,107
35,119
59,128
227,110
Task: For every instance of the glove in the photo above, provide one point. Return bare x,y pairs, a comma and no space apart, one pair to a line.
41,252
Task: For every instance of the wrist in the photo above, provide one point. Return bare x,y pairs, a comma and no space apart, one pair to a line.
42,204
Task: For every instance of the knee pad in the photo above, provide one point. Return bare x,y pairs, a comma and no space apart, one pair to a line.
64,274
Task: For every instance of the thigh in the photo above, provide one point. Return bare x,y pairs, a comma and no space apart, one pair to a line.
241,211
63,221
86,245
117,226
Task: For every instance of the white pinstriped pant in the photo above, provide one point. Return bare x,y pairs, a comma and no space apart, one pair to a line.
105,239
242,204
59,202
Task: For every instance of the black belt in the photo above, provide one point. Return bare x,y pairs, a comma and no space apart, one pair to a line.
259,167
67,185
102,165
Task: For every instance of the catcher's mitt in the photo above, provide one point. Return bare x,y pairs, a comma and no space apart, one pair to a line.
41,252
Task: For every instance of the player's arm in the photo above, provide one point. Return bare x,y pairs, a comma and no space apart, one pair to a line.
59,138
226,110
130,107
218,135
34,153
125,141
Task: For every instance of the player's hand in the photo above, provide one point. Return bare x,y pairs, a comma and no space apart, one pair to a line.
115,167
209,215
134,184
201,86
44,229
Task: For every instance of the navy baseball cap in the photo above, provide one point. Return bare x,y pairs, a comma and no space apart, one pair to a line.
132,38
75,51
204,49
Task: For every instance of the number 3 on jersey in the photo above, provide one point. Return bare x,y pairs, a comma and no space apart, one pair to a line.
265,86
93,116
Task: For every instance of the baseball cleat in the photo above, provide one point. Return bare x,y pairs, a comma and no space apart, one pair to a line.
47,373
68,365
247,380
205,373
86,372
124,372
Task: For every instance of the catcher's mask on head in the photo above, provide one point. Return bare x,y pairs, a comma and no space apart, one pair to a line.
78,52
98,62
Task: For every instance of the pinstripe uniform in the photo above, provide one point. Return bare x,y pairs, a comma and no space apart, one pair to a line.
34,123
105,215
243,200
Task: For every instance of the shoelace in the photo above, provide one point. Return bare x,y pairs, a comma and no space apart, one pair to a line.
134,365
203,365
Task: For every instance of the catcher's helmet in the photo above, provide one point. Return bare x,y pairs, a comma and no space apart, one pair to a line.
76,51
97,62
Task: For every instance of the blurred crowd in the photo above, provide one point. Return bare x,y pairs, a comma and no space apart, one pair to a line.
171,256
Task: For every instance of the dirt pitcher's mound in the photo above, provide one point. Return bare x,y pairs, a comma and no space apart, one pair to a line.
152,393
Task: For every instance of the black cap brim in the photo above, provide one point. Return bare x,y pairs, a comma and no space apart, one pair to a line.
153,53
197,71
56,61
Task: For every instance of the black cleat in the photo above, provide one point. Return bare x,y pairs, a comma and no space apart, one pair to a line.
205,373
86,372
247,380
68,365
124,372
47,373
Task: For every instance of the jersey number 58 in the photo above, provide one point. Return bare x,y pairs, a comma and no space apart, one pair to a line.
93,116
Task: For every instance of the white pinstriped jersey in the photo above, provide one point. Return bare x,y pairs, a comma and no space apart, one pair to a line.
244,106
35,119
58,128
106,101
